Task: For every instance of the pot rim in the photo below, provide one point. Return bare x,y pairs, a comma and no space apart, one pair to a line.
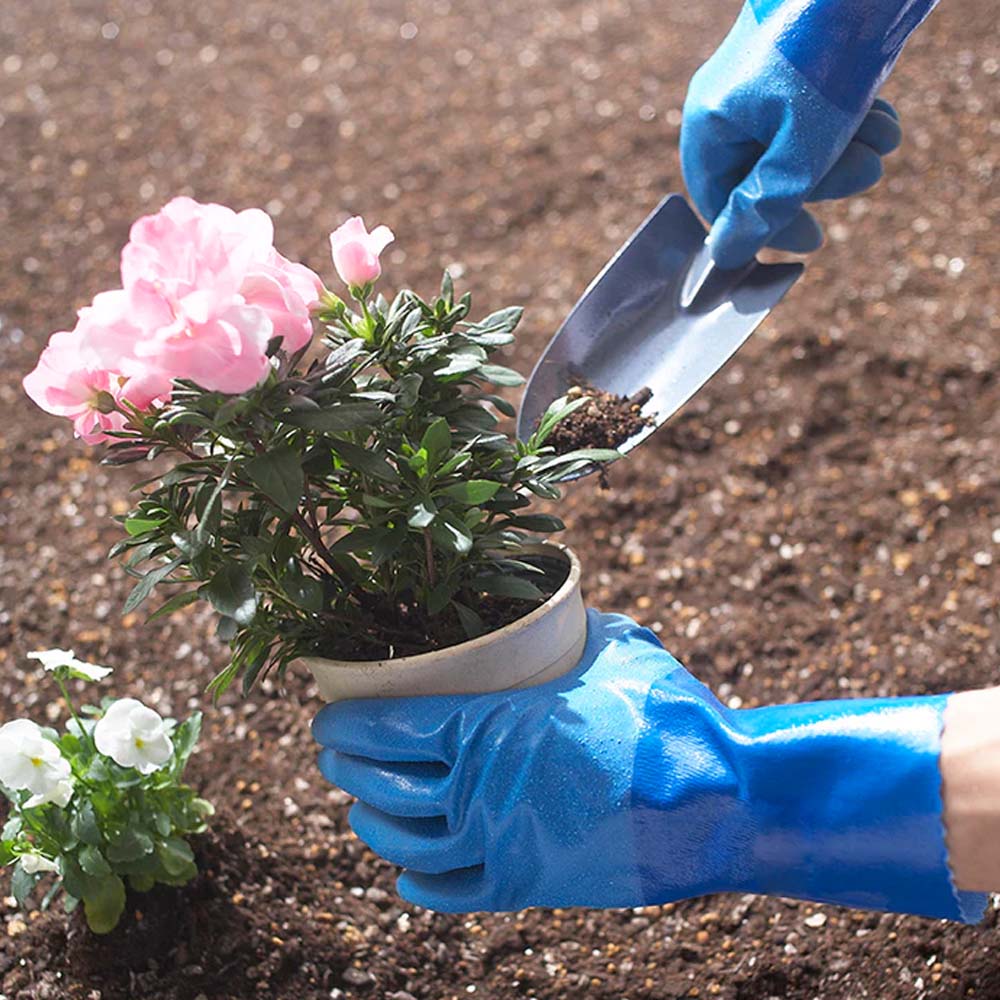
565,591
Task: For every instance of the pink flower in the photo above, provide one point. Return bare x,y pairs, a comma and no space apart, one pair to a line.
205,292
69,381
355,251
286,291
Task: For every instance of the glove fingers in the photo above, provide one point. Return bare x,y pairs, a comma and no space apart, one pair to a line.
765,202
422,844
391,729
858,169
879,104
802,235
710,182
715,155
462,891
881,131
400,788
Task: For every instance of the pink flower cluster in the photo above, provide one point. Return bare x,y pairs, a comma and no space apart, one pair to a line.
204,292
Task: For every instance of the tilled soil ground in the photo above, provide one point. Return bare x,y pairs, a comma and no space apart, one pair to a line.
821,521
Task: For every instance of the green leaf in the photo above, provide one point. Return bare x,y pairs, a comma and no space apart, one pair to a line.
458,364
451,534
232,593
447,288
422,513
502,585
93,862
50,895
185,739
189,543
175,855
145,586
472,624
141,882
22,885
559,410
84,825
387,543
598,456
340,358
129,845
474,491
544,523
502,405
499,375
207,516
104,903
175,603
226,628
140,525
370,463
502,321
418,462
408,388
439,598
278,475
340,417
436,441
305,592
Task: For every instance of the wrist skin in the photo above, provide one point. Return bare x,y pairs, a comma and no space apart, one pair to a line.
970,773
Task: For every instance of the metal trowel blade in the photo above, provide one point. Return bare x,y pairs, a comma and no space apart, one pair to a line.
660,317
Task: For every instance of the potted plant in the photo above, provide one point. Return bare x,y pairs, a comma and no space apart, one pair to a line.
350,504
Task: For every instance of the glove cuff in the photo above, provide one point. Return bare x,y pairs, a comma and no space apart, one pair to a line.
844,806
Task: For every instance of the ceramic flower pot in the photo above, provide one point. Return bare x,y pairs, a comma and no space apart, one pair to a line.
544,644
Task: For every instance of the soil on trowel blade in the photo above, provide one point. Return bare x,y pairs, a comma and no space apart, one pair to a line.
607,421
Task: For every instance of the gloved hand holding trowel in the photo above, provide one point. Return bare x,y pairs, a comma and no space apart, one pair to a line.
627,782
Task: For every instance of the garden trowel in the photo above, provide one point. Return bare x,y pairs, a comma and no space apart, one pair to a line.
657,323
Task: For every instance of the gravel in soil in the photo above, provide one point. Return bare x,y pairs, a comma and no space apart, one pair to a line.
605,421
820,521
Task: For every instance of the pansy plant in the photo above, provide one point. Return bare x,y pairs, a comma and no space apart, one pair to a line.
100,806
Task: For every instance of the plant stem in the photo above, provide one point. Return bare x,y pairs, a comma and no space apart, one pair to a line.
84,735
429,556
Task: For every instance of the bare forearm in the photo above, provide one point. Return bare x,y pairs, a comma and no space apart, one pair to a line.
970,771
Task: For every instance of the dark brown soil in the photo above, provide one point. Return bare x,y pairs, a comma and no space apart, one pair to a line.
821,521
225,934
606,421
412,633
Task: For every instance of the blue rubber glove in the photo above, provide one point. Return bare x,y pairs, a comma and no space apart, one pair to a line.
785,112
627,783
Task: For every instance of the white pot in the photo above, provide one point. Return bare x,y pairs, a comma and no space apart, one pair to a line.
544,644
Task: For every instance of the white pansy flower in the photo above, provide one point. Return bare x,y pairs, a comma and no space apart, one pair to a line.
35,863
133,735
53,659
28,761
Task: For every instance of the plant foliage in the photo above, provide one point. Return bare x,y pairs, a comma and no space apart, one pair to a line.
366,494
